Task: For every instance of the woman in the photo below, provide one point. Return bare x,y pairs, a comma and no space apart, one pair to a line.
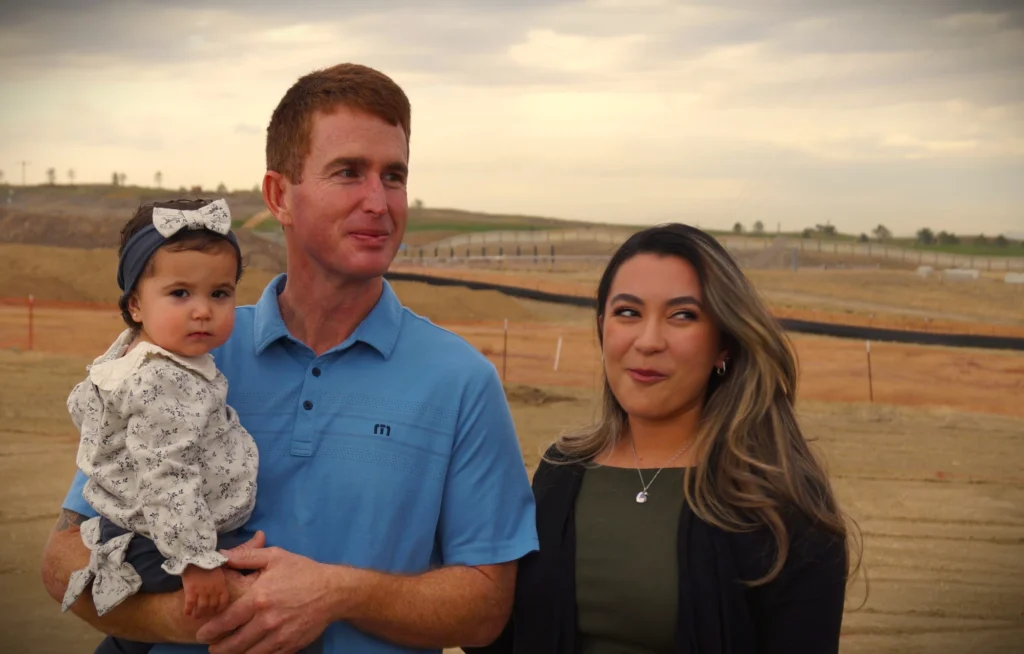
692,517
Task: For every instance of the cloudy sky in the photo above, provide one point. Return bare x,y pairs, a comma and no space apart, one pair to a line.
903,112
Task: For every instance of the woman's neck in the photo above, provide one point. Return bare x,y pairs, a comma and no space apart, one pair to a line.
657,441
322,312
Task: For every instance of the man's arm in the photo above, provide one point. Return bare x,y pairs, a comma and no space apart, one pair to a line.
448,607
152,618
296,598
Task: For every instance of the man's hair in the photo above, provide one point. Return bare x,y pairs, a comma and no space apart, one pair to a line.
200,240
350,85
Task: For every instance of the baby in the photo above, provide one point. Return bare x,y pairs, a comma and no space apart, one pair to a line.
172,472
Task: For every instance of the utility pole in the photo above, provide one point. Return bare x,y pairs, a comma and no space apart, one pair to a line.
23,164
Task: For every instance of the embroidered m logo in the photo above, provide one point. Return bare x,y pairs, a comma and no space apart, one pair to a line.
383,430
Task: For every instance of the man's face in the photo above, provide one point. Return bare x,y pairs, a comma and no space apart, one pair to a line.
347,217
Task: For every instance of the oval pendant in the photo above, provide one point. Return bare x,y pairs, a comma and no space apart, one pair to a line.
641,497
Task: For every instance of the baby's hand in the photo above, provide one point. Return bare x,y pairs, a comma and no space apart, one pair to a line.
206,592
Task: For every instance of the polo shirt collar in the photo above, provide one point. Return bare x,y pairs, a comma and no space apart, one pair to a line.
379,329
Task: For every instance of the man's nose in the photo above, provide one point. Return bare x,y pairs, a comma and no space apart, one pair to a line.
375,199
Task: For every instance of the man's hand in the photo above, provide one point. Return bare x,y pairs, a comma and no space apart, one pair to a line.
285,609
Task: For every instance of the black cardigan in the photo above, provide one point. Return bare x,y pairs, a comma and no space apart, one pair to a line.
799,611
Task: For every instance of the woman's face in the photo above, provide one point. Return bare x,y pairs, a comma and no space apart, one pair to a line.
660,345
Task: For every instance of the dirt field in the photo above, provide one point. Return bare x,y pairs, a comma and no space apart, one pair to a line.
912,476
896,299
938,494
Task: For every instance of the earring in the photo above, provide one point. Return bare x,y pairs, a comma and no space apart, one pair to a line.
721,371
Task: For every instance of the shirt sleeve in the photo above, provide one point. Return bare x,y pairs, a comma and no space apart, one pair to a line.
74,501
168,411
487,513
802,609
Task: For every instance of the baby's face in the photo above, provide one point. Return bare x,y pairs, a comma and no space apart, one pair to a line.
187,304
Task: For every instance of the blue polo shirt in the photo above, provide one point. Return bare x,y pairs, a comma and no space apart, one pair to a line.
394,451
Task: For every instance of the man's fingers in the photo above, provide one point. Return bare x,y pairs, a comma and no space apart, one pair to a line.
248,559
236,615
242,641
258,540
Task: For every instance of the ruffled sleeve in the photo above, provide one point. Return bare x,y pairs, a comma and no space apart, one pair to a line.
168,409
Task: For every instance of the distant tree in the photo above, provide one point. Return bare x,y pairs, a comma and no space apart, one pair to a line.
114,179
182,190
925,236
51,176
159,179
980,240
882,233
807,233
947,238
221,188
71,176
120,179
863,238
737,228
758,227
1,177
1001,241
198,189
827,229
417,203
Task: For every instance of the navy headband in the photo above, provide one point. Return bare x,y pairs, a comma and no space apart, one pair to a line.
213,217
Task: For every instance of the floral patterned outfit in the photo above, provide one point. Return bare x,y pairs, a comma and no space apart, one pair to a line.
166,459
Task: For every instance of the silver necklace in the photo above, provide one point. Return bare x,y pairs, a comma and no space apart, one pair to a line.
641,497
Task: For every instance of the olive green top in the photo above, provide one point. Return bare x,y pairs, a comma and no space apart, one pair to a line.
627,570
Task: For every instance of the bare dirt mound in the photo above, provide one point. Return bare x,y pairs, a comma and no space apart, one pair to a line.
533,396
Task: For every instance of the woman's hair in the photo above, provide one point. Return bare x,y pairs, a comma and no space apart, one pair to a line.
753,464
201,240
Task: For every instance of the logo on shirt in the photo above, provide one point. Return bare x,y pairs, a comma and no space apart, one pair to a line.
383,430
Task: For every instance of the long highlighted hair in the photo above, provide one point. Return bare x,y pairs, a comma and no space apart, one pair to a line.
753,464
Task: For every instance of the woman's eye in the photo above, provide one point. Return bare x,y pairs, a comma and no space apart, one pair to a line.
626,312
685,315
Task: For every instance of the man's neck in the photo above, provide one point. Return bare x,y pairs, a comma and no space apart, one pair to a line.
322,312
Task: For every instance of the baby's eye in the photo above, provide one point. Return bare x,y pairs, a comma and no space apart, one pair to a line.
179,292
221,294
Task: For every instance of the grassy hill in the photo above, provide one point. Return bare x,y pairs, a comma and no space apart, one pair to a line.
40,214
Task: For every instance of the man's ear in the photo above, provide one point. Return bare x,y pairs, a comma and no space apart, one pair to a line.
275,196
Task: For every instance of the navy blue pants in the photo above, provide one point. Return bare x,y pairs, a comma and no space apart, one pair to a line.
147,560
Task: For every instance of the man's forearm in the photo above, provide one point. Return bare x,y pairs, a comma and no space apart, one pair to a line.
151,618
448,607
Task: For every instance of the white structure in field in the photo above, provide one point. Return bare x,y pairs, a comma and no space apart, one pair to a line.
960,274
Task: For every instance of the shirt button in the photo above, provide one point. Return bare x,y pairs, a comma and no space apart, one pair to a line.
307,405
316,372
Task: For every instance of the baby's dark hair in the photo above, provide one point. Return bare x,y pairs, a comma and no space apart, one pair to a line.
200,240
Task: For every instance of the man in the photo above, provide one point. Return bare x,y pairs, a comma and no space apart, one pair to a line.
392,492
